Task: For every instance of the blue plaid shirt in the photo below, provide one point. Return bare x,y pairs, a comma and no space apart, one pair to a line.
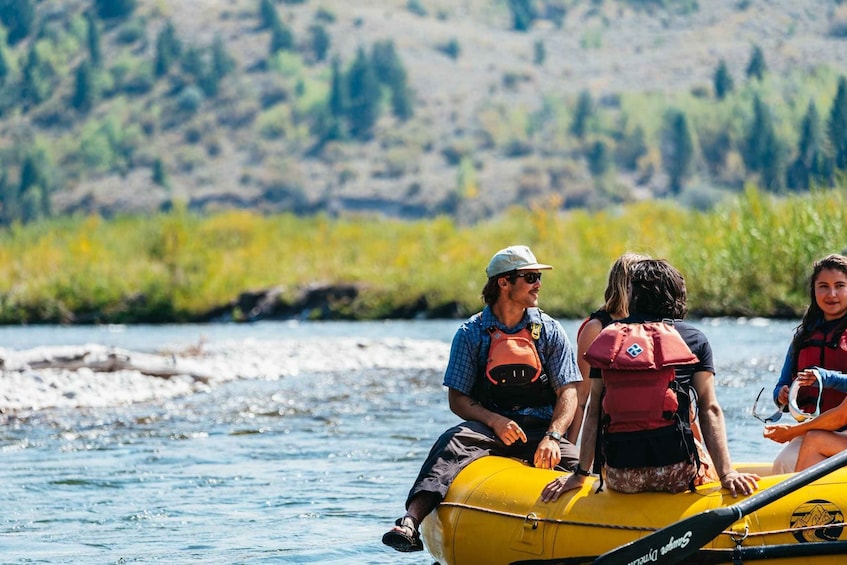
469,353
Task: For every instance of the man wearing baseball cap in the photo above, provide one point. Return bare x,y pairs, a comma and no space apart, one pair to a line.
512,378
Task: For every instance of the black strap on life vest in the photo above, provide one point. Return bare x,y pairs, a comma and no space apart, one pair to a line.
603,421
599,456
537,392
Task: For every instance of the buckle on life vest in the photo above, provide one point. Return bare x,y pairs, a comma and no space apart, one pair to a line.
535,330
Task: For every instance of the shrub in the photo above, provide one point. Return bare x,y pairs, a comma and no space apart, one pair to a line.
416,7
114,8
189,100
17,16
131,32
838,22
451,48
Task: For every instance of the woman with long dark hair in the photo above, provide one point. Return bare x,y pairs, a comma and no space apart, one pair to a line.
820,340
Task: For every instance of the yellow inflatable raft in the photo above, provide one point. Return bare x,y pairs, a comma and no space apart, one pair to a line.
493,515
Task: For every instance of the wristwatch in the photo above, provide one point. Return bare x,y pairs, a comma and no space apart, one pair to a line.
554,435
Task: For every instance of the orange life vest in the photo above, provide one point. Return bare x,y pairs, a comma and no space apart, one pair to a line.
512,358
514,375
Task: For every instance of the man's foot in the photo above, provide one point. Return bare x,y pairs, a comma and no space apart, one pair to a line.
403,536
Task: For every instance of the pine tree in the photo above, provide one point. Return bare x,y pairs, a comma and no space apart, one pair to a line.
93,37
168,49
385,61
9,204
35,84
811,137
773,173
631,147
763,151
390,71
208,80
364,91
34,170
809,164
338,95
4,65
599,160
329,123
32,190
677,150
715,144
282,38
159,174
84,95
17,16
523,13
192,62
722,81
837,126
402,100
758,131
268,16
539,52
320,41
582,113
222,62
756,68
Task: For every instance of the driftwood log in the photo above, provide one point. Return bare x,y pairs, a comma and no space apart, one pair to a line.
154,366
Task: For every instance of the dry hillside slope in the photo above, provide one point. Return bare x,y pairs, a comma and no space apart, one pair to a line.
231,152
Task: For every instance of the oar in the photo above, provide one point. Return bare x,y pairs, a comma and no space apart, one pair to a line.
682,539
729,555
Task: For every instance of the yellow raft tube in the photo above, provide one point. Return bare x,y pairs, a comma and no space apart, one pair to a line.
493,515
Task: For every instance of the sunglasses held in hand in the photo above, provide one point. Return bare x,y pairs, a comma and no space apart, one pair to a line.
766,419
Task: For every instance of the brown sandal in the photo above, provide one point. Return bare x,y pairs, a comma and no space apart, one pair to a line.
404,536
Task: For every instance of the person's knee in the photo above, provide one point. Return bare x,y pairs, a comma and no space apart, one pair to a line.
814,440
786,460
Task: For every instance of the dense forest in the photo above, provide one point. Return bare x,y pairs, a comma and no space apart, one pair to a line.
414,109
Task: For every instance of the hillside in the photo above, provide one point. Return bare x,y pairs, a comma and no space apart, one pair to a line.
491,115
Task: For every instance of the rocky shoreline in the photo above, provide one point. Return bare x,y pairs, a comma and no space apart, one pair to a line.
314,302
319,302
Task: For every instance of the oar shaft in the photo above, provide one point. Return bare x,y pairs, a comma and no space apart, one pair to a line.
673,543
792,483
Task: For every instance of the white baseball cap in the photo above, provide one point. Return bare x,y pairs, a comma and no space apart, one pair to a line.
513,258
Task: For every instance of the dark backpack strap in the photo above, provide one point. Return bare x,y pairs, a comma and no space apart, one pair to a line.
599,455
684,427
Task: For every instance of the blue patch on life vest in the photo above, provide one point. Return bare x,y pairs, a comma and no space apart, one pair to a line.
634,350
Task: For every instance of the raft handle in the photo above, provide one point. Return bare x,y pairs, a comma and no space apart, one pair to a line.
533,518
739,537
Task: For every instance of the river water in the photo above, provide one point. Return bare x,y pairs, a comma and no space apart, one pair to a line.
306,463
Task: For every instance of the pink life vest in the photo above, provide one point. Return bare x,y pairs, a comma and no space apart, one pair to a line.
638,360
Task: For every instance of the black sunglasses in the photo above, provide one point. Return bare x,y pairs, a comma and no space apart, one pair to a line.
530,278
766,419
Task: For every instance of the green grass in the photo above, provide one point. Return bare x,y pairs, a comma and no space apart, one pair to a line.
750,257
